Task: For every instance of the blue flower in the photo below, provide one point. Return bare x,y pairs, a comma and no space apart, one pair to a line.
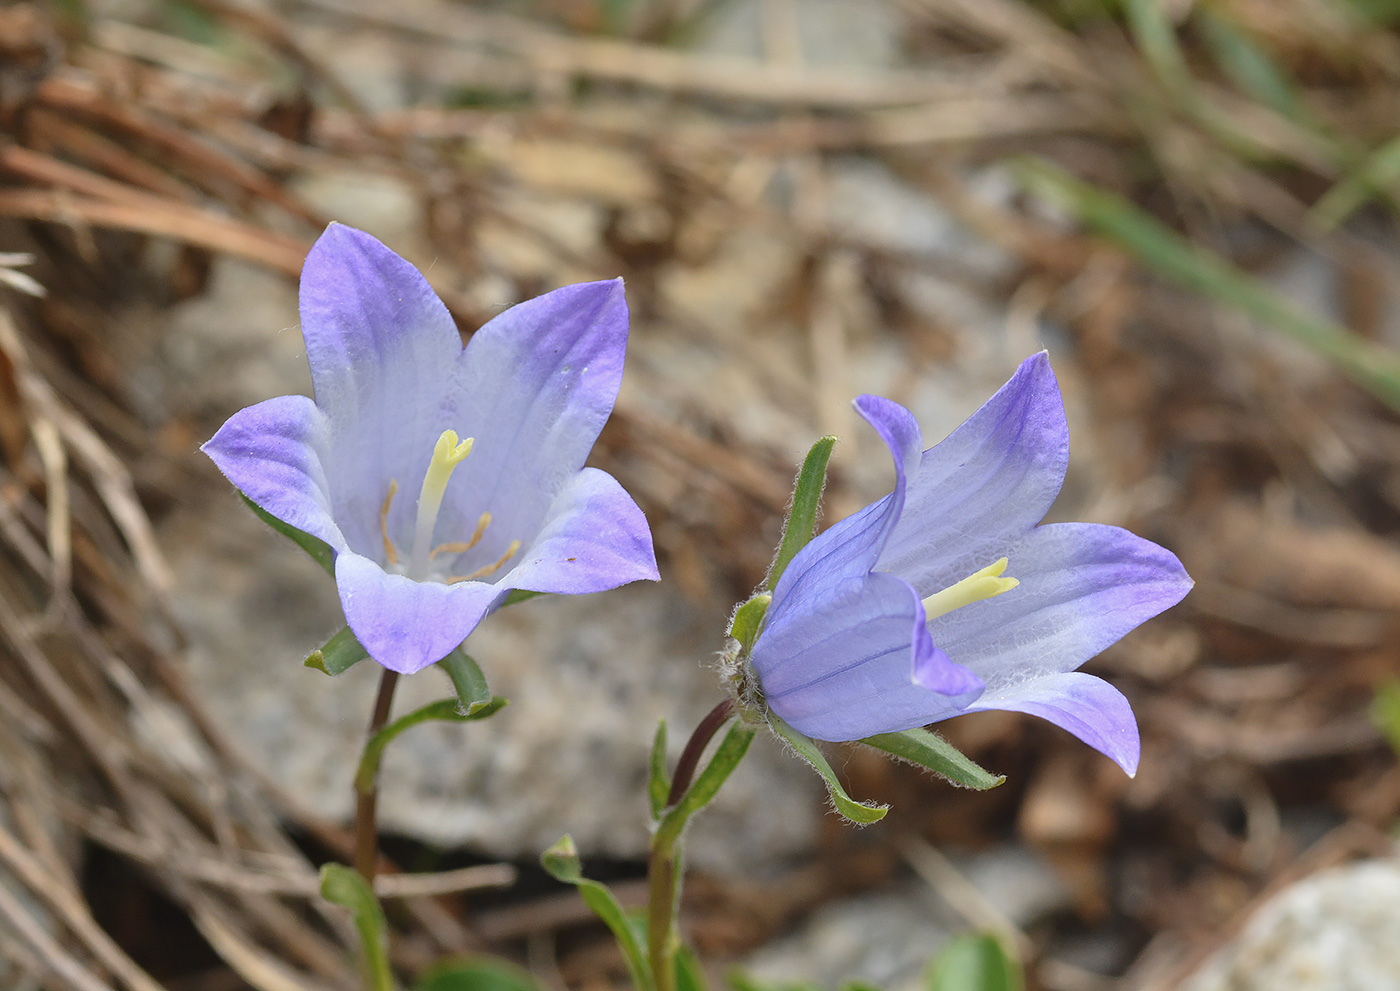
442,477
906,613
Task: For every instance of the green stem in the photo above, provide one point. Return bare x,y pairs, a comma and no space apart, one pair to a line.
367,791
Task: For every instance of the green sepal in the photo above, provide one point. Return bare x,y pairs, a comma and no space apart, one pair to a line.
476,972
338,654
690,976
472,691
804,747
931,751
449,710
562,862
974,962
748,619
342,886
519,595
658,787
319,550
801,524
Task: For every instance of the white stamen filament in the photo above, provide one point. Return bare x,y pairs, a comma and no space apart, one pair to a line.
974,588
447,455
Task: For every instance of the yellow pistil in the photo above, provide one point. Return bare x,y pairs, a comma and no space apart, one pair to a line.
974,588
462,546
448,453
390,554
490,568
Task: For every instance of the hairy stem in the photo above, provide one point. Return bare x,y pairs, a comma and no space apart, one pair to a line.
367,792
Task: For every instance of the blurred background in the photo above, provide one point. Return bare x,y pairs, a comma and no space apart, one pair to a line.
1191,205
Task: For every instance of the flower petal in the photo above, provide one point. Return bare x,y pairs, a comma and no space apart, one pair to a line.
594,538
990,481
1083,587
404,624
534,387
272,453
382,347
1088,707
858,661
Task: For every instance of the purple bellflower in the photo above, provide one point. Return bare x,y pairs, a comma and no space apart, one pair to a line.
442,477
906,613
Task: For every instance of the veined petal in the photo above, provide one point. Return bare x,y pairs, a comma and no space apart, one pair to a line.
1088,707
1083,586
847,551
405,624
534,387
593,539
272,453
381,346
989,482
858,662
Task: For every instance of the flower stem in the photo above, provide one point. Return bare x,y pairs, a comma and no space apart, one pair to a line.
663,868
367,792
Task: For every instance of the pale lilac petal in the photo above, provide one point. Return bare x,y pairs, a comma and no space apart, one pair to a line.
534,387
858,663
990,481
382,348
1088,707
272,453
1083,586
594,538
848,550
405,624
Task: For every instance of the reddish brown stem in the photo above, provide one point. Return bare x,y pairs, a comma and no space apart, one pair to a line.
367,800
695,746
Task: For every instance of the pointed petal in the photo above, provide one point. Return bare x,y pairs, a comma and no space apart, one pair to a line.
858,662
847,551
1088,707
594,538
990,481
271,453
1083,587
407,625
534,387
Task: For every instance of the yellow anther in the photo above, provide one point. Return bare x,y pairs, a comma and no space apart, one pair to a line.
462,546
974,588
390,554
490,568
448,453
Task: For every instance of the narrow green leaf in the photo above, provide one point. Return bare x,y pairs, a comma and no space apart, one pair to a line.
1172,257
1156,39
562,863
707,783
472,690
748,619
445,709
658,788
1375,174
690,976
342,886
319,550
1249,66
860,812
919,746
1385,712
338,654
477,972
801,523
974,962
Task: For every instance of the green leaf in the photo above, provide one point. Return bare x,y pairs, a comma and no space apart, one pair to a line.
1374,174
740,980
342,886
919,746
801,523
1385,712
449,710
974,962
1172,257
562,863
478,972
860,812
658,788
319,550
748,619
1249,66
707,783
339,654
472,690
690,976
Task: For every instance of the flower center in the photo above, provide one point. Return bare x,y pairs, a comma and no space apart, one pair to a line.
975,587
